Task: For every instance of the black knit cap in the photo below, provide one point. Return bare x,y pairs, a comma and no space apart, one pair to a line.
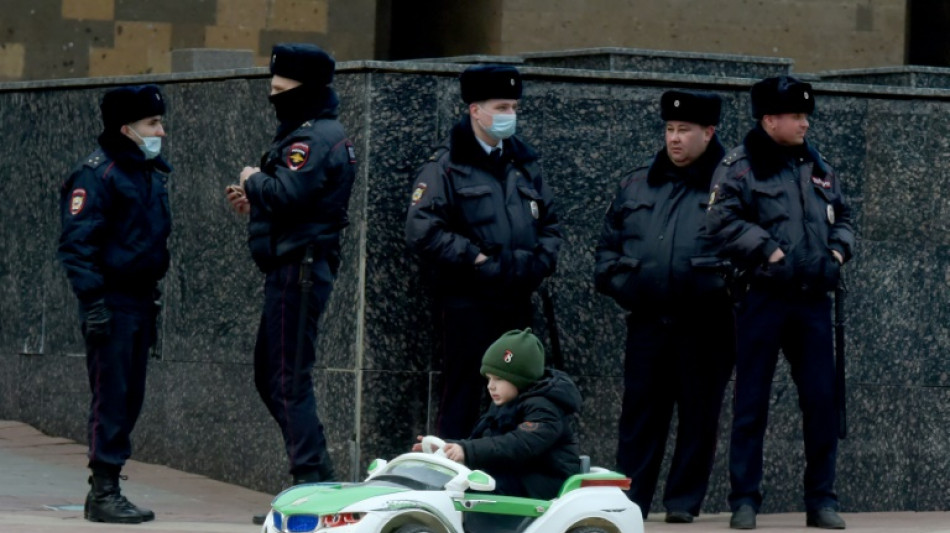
127,104
488,82
304,62
687,106
782,94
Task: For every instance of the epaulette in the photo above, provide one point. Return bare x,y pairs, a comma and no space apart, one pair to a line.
732,157
95,159
438,153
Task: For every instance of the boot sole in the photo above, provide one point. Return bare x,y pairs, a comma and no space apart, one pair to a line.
120,520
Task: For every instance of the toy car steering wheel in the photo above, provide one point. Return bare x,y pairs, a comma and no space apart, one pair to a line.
433,445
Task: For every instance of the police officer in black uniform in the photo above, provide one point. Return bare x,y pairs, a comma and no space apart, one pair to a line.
778,211
297,201
654,259
483,219
115,224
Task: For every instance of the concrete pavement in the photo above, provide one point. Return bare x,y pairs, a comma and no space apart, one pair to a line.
43,487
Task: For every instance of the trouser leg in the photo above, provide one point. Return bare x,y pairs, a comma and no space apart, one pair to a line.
757,345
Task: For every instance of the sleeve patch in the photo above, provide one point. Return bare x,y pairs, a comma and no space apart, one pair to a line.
77,201
298,155
528,426
419,193
351,152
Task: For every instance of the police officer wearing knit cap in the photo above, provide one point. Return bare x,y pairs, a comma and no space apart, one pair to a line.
525,440
654,260
115,225
297,200
482,219
779,214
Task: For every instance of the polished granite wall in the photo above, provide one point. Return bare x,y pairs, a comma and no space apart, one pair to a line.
374,379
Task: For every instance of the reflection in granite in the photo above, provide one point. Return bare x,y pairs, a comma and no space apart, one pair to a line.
377,379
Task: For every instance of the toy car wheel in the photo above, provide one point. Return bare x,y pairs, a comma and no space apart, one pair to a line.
587,529
414,528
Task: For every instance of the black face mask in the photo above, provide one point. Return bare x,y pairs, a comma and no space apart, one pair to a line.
293,105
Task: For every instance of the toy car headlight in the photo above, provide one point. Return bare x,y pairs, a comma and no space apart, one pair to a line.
300,523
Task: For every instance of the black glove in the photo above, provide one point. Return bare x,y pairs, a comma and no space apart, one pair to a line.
98,324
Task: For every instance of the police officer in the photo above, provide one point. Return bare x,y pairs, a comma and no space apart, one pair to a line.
297,201
115,224
778,211
482,218
654,259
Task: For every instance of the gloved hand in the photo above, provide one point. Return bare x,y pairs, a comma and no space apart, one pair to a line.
98,324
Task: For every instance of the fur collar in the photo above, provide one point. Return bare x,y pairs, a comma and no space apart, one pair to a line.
465,150
698,175
767,157
128,155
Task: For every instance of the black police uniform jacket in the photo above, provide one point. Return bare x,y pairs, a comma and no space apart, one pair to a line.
464,204
653,253
531,437
301,195
115,222
767,196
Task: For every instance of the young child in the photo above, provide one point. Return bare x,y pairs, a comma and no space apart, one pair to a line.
524,440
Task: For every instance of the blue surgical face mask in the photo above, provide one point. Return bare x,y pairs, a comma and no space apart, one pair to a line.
502,125
151,146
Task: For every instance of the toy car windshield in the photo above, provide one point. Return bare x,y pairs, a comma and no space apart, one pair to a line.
417,475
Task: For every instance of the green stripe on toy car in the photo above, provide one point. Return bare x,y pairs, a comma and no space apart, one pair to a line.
507,505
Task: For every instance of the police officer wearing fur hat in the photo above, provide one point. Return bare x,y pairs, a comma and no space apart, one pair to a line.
654,260
482,218
115,225
779,214
297,200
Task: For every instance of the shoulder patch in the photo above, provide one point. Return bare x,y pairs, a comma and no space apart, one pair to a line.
351,152
418,193
77,201
297,156
528,426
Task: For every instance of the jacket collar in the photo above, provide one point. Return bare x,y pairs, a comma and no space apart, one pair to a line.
128,155
465,150
323,103
767,157
697,175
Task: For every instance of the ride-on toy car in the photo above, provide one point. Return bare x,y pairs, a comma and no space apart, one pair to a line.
428,493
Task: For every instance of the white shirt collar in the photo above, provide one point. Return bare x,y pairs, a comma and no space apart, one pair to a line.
487,147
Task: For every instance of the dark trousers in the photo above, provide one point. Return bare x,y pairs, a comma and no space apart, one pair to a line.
682,360
116,368
293,405
468,329
799,324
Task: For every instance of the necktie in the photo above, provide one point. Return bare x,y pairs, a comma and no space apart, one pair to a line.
495,155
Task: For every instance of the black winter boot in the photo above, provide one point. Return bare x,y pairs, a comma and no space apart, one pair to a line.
106,504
